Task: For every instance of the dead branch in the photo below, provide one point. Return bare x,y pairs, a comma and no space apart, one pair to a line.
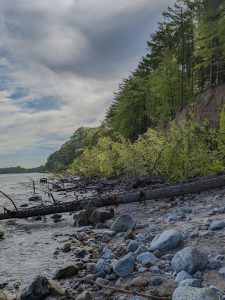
10,199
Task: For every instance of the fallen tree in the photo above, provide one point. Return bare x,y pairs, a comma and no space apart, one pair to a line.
165,191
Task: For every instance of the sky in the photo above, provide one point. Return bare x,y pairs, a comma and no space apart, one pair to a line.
60,63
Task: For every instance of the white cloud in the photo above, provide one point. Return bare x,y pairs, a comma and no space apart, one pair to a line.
76,51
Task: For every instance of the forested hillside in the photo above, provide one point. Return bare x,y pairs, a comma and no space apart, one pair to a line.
186,55
185,62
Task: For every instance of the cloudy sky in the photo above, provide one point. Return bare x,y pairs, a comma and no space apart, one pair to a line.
60,62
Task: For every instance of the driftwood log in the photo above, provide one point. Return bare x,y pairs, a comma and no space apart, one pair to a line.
125,198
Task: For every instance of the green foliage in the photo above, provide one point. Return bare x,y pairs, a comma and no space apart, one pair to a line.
184,151
60,160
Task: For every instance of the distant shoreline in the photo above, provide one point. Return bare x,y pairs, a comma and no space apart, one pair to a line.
20,170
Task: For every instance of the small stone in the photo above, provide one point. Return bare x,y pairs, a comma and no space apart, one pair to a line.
139,282
222,272
181,276
147,258
155,269
190,282
102,268
214,264
56,217
66,248
155,281
67,272
167,257
124,266
123,223
84,296
216,225
133,246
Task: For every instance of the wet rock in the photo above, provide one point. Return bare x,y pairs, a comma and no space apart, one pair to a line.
100,215
167,240
190,260
1,234
81,218
67,272
124,266
38,290
133,246
190,282
147,258
66,248
139,282
56,217
192,293
181,276
35,198
216,225
24,205
123,223
84,296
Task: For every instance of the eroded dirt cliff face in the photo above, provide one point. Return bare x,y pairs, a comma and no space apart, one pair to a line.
206,105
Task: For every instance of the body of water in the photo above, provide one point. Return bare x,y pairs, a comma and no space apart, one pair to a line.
28,246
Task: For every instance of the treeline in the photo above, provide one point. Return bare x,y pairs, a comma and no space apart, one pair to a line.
186,55
18,170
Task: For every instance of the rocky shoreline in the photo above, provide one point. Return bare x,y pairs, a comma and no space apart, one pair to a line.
165,249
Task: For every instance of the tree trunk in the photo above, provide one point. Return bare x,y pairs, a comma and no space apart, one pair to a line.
165,191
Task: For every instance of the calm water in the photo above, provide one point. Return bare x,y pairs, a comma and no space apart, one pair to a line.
28,247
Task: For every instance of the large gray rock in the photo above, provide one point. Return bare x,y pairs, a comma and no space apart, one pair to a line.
190,260
124,266
192,293
100,215
37,290
167,240
123,223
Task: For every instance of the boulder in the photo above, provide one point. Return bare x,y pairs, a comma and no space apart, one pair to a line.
81,218
67,272
147,258
100,215
167,240
192,293
123,223
124,266
37,290
190,260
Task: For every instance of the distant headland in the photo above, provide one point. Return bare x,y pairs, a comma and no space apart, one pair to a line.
18,170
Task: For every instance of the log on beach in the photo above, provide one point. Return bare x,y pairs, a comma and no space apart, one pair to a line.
146,194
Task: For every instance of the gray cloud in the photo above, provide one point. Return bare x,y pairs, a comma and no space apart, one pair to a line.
60,63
